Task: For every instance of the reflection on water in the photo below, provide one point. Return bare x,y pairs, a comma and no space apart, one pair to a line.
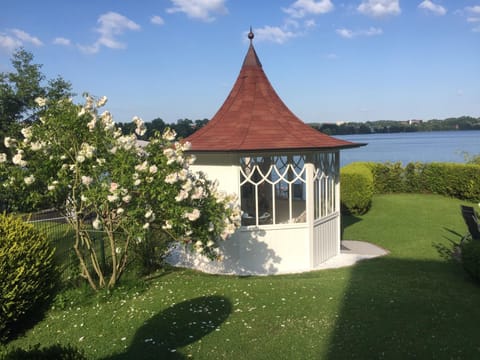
435,146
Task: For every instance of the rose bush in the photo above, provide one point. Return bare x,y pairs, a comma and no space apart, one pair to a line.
77,159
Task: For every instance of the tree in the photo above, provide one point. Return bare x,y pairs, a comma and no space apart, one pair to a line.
104,181
20,88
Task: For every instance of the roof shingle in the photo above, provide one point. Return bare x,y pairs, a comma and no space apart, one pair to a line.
254,118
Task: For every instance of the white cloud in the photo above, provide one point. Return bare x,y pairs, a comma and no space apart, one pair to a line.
302,8
199,9
273,34
157,20
350,34
434,8
473,16
62,41
15,38
26,37
110,26
473,9
9,43
379,8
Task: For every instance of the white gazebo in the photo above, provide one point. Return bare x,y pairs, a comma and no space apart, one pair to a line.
285,173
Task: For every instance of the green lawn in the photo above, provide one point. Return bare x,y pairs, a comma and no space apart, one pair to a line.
413,303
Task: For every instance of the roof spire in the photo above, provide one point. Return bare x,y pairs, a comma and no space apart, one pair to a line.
251,35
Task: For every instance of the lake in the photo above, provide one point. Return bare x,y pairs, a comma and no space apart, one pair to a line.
435,146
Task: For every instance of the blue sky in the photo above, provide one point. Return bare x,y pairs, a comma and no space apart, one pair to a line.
329,60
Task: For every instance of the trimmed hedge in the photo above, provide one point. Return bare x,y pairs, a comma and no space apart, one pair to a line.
27,273
461,181
357,187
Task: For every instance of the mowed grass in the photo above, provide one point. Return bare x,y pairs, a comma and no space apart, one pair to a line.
413,303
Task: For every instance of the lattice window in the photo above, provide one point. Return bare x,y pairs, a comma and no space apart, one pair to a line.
325,179
273,189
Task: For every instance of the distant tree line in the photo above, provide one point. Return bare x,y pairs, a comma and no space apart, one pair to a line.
183,127
391,126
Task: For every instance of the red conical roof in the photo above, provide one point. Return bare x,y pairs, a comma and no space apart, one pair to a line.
254,118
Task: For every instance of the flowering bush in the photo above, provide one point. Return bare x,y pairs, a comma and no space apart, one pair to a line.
79,160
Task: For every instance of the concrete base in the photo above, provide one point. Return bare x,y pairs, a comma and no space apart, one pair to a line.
351,252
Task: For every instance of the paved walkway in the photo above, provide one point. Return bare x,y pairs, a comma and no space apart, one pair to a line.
351,252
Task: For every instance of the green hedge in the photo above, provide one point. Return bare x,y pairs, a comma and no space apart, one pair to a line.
356,190
461,181
27,273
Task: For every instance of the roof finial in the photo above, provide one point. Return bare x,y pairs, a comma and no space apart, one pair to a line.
250,35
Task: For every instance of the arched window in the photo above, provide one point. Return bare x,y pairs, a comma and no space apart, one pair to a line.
324,181
273,189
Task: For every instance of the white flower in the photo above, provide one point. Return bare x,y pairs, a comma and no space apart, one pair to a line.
141,167
191,159
96,224
87,150
86,180
3,157
137,182
102,101
126,199
192,216
148,214
153,169
51,187
118,250
41,101
17,159
112,198
37,145
120,211
169,134
83,198
211,227
169,153
140,126
198,193
101,161
81,112
210,243
171,178
146,226
168,225
80,158
113,187
9,142
187,186
182,195
91,124
186,146
27,132
29,180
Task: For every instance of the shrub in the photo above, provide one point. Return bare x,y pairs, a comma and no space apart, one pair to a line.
57,352
389,177
27,273
471,258
461,181
356,188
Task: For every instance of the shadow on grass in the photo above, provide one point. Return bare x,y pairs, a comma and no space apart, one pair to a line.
400,309
346,221
179,325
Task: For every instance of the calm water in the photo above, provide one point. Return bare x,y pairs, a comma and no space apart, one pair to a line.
435,146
